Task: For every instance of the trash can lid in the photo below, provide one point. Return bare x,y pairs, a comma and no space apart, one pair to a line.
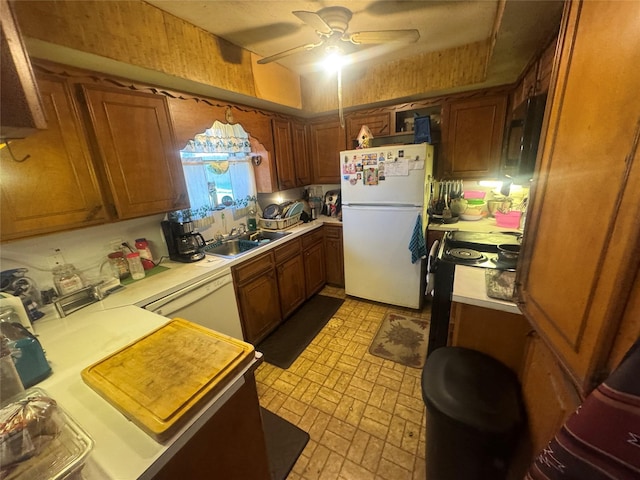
473,389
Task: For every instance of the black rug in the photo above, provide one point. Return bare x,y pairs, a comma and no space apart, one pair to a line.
289,340
285,443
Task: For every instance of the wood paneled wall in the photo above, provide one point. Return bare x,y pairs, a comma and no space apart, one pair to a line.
139,34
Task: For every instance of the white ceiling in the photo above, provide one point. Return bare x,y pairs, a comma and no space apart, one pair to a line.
267,27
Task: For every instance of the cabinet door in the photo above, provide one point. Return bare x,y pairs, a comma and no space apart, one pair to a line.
582,234
334,255
327,141
134,140
21,110
301,154
291,285
259,306
284,154
314,270
473,137
56,188
378,123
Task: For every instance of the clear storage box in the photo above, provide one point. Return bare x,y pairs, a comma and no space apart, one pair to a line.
43,443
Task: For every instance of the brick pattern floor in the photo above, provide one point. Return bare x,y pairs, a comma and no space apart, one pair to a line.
365,415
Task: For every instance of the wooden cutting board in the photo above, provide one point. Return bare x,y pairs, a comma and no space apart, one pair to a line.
158,380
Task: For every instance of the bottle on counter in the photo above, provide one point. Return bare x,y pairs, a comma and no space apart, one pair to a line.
67,279
135,265
145,253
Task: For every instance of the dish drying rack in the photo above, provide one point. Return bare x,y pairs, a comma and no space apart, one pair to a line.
279,223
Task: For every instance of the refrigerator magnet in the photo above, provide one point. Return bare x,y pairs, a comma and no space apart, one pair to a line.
371,176
353,180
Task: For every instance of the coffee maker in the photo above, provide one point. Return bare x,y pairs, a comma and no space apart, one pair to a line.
183,242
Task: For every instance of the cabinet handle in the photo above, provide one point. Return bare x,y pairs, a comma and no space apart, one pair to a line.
92,213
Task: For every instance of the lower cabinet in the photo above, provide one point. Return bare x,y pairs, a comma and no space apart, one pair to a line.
257,293
272,286
230,445
314,268
290,274
501,335
334,255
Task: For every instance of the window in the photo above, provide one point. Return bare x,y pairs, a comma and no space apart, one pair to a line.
218,171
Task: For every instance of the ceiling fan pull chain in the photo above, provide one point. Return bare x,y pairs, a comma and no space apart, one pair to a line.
340,113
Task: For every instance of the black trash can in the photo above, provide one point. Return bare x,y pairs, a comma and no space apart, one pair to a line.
474,415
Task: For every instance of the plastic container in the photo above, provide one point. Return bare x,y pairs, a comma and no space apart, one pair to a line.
67,279
59,446
145,253
135,266
474,194
508,220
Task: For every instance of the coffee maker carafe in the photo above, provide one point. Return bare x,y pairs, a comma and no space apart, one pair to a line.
183,242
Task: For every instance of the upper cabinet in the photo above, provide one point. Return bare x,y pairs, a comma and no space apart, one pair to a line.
579,260
134,141
21,109
292,154
326,142
56,188
472,133
301,156
378,122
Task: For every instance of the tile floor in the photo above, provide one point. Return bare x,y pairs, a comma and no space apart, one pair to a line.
365,415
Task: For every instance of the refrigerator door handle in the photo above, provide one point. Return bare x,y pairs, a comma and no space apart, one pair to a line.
381,205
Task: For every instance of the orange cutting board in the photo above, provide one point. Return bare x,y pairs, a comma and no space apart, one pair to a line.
158,380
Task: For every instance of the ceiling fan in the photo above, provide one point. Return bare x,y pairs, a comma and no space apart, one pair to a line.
331,24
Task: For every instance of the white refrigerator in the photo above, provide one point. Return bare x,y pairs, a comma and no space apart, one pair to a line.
383,198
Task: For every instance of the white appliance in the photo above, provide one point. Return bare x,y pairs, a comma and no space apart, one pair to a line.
210,302
383,194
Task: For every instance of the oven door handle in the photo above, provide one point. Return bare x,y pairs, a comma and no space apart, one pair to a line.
431,260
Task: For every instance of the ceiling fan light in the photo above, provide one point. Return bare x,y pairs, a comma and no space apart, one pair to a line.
333,60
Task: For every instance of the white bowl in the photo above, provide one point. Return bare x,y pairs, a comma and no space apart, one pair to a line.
464,216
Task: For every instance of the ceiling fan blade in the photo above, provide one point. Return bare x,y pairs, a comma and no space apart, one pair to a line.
286,53
383,36
315,21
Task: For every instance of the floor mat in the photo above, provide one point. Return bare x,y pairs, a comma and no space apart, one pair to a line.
402,339
285,443
289,340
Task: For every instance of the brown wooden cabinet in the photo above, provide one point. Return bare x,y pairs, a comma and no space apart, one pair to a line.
473,130
327,140
56,188
290,274
21,110
578,268
258,299
291,152
229,445
334,255
283,147
134,142
314,262
301,155
378,122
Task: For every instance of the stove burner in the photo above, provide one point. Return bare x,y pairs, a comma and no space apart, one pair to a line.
465,255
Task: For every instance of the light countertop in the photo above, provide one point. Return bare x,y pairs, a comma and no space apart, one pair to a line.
122,450
469,287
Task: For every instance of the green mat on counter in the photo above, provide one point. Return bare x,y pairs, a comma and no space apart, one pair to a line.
147,273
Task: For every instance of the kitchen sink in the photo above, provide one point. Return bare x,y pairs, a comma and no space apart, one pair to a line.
243,244
231,248
264,235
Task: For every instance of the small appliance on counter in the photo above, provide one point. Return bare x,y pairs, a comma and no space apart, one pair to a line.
30,361
183,242
15,282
